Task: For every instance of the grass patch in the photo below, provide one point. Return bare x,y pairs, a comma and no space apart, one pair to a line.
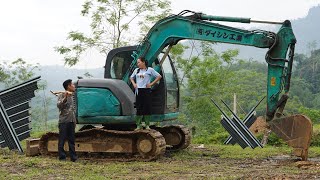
236,152
4,174
314,152
232,152
218,161
316,127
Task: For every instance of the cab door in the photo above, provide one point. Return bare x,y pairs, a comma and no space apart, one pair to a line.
171,83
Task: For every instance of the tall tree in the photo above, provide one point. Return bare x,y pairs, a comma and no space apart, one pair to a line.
114,23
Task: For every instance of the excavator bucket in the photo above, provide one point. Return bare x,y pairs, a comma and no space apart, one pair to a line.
296,130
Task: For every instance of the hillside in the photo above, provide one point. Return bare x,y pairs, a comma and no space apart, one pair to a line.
306,29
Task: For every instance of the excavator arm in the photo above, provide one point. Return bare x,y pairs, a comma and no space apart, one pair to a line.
169,31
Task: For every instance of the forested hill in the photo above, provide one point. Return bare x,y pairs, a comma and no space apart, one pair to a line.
306,30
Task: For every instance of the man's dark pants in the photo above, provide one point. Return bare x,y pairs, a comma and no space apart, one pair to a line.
66,132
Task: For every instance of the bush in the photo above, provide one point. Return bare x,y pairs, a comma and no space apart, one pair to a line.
274,140
313,114
206,138
315,140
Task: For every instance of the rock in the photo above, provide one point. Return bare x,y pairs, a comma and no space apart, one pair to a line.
304,164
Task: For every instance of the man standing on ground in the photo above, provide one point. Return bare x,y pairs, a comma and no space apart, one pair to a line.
67,121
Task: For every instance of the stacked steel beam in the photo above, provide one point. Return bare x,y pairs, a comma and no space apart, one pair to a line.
14,113
239,130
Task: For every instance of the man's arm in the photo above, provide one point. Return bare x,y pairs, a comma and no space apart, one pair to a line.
62,99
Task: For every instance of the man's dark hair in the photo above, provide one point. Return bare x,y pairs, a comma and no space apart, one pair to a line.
66,83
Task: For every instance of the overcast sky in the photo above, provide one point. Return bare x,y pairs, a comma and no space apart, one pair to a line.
31,28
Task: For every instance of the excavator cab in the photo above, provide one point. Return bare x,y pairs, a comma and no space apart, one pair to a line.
165,95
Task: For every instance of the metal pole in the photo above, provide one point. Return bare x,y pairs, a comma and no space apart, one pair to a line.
166,54
265,22
234,103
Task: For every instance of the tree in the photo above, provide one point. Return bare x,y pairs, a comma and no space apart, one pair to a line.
3,73
16,72
308,68
311,46
205,76
111,24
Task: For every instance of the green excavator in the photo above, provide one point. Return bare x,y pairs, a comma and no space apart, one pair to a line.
106,106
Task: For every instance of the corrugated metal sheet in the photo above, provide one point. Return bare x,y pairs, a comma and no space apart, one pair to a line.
15,117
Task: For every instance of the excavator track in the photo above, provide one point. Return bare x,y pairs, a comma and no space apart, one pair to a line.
98,143
177,136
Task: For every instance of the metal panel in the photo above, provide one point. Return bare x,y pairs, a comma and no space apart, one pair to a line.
14,116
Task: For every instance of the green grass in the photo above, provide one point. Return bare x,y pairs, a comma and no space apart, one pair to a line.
314,152
233,152
218,161
316,127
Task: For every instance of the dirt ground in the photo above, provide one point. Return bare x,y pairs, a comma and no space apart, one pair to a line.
274,167
193,163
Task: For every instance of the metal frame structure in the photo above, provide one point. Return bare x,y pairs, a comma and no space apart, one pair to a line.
14,113
239,130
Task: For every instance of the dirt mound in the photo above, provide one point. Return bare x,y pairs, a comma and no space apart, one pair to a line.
259,126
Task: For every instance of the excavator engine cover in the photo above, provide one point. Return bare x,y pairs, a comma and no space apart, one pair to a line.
296,130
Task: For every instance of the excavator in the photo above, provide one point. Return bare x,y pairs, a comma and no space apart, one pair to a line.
106,106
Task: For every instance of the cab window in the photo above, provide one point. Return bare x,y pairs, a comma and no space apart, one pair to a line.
120,64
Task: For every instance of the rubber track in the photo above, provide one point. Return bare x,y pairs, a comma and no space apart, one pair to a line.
187,136
186,140
159,144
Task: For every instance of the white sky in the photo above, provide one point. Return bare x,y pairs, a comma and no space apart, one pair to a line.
31,28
